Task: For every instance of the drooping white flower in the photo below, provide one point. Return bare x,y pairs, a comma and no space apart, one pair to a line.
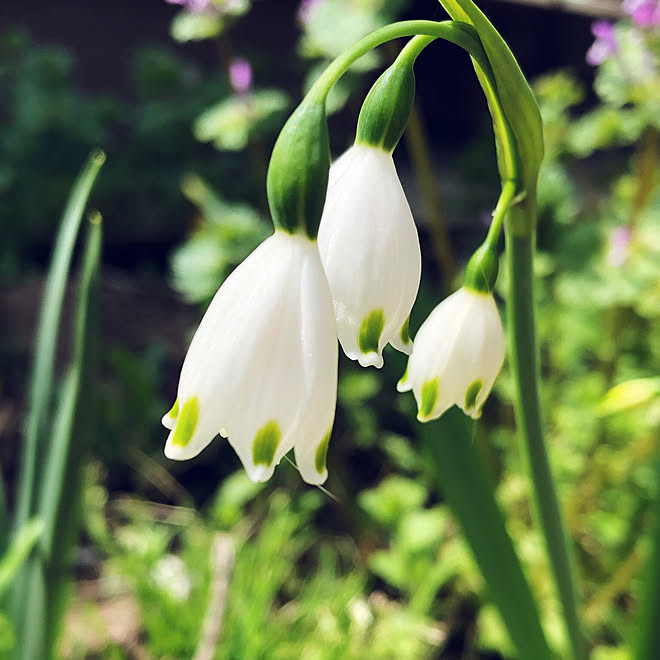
262,367
459,350
370,252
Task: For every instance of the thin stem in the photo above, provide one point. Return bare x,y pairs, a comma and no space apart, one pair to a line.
523,352
499,214
449,30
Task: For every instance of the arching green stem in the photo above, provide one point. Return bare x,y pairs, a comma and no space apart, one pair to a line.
458,33
499,214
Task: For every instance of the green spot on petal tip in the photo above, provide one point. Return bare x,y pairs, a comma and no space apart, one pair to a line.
265,444
174,412
370,331
405,331
321,453
429,397
404,378
472,393
187,422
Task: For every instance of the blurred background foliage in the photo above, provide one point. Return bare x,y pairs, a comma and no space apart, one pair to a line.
376,566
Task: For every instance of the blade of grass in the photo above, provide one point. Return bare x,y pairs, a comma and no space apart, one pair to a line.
16,554
59,495
42,370
454,461
58,472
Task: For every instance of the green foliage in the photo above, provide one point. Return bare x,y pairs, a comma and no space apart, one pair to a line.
198,26
226,235
231,123
325,615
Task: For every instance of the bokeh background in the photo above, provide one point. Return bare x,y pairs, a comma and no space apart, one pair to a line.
187,107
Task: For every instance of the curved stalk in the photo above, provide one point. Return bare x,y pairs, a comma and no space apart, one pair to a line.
458,33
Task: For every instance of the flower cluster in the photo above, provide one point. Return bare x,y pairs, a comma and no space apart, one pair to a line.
605,44
643,13
261,370
644,18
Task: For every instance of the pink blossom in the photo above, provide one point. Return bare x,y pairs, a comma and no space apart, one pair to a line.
194,6
240,75
604,45
306,9
619,246
644,13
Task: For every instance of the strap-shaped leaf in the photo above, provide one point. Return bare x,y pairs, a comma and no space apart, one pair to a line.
41,379
455,462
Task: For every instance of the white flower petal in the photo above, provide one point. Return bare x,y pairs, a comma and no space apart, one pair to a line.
459,350
264,351
370,252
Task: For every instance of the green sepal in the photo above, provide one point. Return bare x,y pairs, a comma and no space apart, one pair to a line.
482,269
298,171
386,110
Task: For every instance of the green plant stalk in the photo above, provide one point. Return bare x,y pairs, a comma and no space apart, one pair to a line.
41,378
499,214
523,356
458,468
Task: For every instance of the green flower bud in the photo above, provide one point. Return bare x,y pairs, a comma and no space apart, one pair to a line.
298,171
386,110
481,271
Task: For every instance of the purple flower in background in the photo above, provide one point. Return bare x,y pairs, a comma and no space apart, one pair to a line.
306,8
605,44
240,76
643,13
194,6
619,246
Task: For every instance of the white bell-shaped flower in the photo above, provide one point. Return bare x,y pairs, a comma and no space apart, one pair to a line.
262,367
459,350
370,252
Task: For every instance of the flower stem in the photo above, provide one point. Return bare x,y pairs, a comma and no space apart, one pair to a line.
503,204
523,353
459,33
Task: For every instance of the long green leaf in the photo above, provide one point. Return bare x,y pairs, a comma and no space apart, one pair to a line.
60,459
455,463
46,339
59,497
16,554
